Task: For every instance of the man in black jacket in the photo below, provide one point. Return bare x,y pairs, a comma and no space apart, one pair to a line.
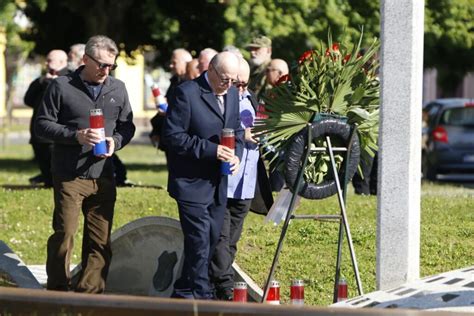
56,65
82,181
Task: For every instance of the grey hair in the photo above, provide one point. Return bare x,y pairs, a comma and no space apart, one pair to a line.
208,51
99,42
232,49
78,49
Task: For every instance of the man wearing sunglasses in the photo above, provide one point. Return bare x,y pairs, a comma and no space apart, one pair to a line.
243,191
192,132
82,181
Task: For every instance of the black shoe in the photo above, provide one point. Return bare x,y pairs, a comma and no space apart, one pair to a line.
225,294
38,179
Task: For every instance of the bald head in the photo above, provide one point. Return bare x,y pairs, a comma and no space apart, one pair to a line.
276,69
244,74
244,70
56,60
179,59
223,71
205,57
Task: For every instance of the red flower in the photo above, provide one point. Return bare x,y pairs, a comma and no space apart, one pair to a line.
334,49
283,79
305,56
346,58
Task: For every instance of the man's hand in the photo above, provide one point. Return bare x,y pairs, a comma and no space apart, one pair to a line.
155,140
87,136
224,153
234,165
110,147
249,136
91,137
161,112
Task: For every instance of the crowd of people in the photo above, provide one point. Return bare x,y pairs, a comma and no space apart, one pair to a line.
215,91
207,94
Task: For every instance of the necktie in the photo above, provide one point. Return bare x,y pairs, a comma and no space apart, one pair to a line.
220,102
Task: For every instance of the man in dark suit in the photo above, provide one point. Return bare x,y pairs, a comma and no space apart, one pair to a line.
249,184
200,110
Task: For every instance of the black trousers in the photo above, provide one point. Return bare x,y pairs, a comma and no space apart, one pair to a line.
367,182
120,170
220,269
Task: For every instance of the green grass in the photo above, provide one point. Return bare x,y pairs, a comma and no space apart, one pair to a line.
309,252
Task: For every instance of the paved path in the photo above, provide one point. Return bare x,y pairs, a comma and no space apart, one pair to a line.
449,291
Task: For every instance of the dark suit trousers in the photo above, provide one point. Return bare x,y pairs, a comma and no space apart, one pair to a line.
221,272
367,182
201,225
96,199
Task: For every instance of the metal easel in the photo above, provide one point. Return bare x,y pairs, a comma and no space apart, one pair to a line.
341,218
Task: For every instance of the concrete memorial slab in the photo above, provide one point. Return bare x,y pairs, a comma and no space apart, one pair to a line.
449,291
14,271
147,257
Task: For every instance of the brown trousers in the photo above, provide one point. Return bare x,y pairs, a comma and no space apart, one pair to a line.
96,198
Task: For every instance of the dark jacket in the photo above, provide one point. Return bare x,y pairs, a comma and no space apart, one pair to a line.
192,132
34,96
65,109
158,120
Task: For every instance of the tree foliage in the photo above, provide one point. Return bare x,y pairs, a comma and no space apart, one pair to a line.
294,26
300,25
15,44
131,23
449,39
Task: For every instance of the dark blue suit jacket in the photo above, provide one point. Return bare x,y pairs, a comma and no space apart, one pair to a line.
192,132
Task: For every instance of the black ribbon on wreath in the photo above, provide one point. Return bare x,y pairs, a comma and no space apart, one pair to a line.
336,128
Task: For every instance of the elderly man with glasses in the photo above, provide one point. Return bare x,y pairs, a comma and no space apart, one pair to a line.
199,112
84,181
242,190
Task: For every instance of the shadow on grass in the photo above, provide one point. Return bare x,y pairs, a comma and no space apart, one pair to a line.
21,187
146,167
17,165
27,165
461,182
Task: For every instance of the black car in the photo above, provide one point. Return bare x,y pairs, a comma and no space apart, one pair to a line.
448,137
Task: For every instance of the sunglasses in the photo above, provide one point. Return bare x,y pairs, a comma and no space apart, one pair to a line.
102,65
225,81
241,84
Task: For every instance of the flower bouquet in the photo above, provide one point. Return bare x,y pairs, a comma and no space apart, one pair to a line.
338,80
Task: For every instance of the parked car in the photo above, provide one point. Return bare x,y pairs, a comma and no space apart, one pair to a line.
448,137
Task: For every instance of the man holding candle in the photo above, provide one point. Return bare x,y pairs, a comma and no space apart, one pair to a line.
84,182
201,109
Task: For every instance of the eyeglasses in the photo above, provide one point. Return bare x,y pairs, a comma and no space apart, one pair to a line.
272,70
224,81
102,65
241,84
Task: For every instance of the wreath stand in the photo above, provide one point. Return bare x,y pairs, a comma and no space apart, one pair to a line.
341,187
